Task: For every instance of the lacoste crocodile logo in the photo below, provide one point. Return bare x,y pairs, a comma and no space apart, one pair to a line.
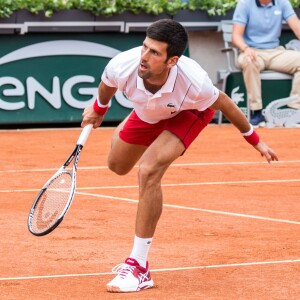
171,105
287,117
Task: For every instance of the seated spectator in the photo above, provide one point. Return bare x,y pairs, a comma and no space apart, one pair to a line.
256,31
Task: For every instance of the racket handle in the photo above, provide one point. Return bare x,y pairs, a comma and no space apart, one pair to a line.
84,134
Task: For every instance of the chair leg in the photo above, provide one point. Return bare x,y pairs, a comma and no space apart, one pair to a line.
248,110
220,118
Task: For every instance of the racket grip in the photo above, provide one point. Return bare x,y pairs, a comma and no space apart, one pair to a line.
84,134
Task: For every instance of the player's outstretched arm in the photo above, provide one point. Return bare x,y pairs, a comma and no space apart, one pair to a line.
232,112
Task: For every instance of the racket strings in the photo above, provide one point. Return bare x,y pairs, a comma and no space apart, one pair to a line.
52,203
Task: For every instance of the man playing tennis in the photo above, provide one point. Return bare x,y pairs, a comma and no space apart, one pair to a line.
173,100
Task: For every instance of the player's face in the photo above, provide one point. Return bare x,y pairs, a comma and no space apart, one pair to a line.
154,63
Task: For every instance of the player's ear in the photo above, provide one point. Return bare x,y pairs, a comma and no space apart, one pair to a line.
172,61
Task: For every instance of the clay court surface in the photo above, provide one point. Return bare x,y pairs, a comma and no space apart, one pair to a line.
230,227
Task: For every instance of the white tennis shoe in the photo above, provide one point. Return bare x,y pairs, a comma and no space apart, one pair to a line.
131,277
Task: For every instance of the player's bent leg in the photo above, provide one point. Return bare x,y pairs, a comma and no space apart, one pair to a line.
123,156
115,135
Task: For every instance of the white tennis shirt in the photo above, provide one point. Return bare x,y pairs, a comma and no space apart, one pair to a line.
187,87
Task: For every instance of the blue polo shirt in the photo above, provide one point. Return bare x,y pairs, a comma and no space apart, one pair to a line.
263,23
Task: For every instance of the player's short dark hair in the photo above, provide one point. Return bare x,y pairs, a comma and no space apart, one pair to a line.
170,32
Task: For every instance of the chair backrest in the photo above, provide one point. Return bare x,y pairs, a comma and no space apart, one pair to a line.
226,27
231,52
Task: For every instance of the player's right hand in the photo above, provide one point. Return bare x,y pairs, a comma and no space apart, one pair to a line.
89,116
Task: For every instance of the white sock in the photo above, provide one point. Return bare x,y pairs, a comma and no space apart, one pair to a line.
140,250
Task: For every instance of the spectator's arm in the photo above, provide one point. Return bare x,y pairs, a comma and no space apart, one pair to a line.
237,37
294,24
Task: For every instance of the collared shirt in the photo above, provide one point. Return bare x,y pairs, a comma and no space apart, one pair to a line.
259,4
263,22
187,87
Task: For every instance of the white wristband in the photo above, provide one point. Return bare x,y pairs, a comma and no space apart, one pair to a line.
101,105
248,133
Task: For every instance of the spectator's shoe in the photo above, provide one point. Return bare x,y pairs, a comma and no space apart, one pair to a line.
257,119
131,277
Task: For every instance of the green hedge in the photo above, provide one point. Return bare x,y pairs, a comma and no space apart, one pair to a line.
110,7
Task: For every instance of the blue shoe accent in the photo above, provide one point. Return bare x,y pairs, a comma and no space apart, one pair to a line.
257,119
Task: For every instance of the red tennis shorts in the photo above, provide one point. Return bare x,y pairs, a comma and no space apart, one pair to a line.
186,126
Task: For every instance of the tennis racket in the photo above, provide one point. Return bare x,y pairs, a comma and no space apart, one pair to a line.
54,199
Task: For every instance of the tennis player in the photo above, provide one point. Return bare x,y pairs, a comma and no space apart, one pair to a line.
173,101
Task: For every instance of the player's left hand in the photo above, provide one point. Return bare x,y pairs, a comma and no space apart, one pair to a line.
266,151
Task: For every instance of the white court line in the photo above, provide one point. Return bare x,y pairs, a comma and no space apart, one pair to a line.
197,209
19,131
260,263
167,185
196,184
172,165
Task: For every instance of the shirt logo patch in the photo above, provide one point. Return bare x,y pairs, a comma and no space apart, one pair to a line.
171,105
172,108
277,12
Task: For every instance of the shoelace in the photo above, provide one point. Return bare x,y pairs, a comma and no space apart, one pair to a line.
122,269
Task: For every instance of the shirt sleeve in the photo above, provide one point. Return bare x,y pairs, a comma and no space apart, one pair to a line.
109,76
120,67
287,10
240,15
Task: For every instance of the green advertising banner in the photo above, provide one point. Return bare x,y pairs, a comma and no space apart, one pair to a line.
271,90
51,78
